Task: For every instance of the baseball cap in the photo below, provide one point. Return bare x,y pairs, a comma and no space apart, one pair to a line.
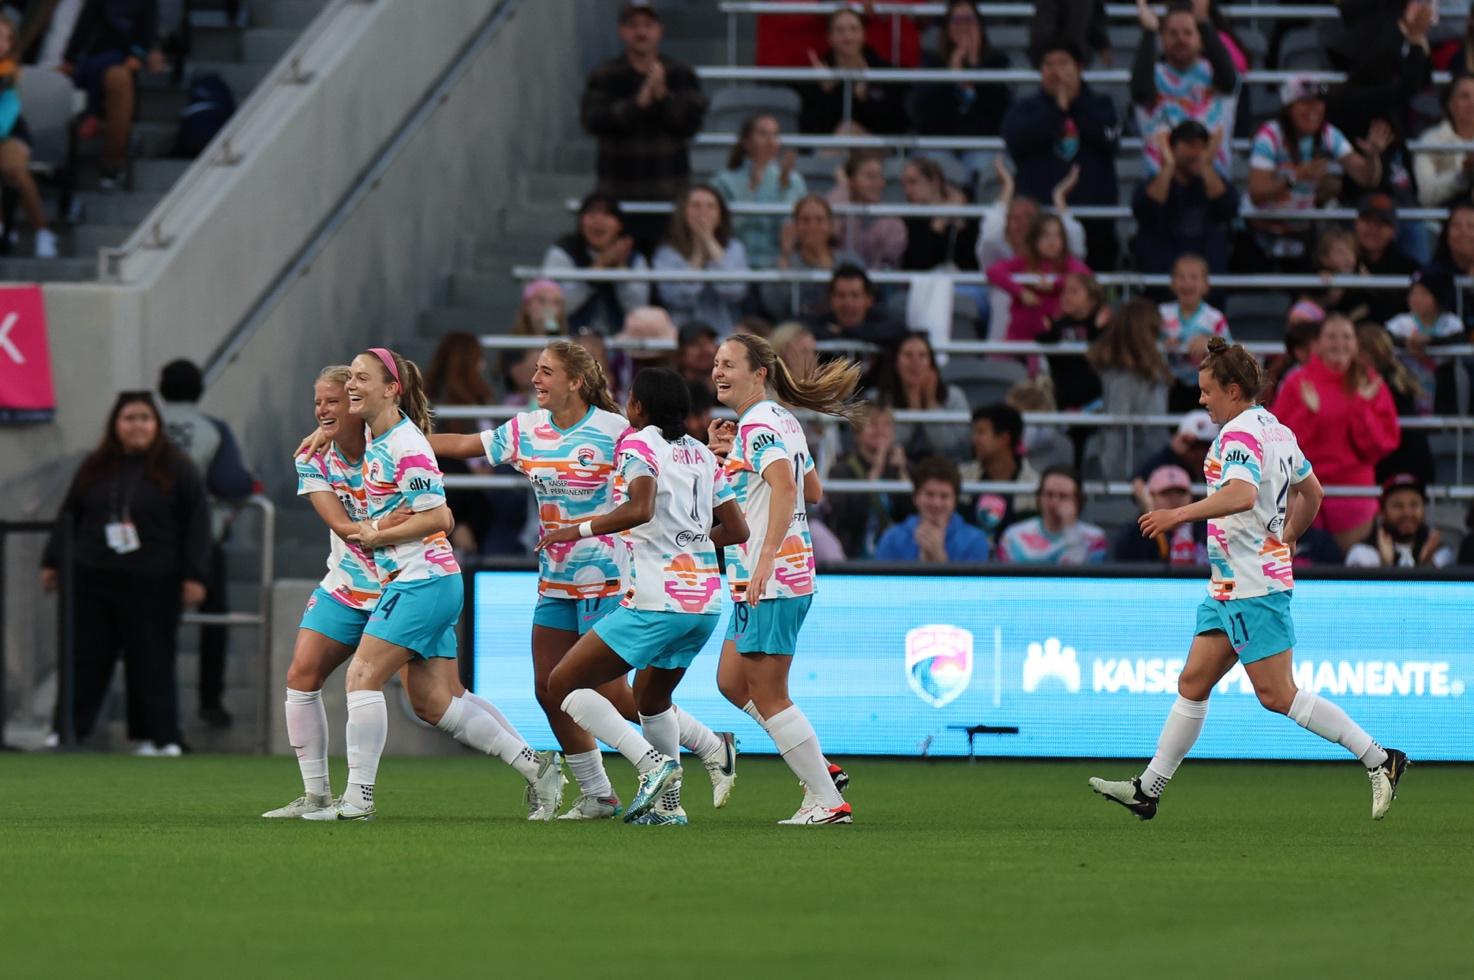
1301,87
1378,207
1403,481
1198,424
634,9
1168,477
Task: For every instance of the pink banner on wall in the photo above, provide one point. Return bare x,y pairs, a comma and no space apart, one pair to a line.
26,391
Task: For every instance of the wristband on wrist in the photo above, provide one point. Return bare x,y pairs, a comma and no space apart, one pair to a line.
586,529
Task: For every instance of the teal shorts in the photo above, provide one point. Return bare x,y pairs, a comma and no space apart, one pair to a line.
332,619
572,615
1257,628
420,616
769,627
665,640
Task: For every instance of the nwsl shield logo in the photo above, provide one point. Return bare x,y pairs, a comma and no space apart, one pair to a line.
938,663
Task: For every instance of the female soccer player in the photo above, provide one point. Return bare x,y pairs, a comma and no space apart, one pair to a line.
413,623
1262,497
673,486
772,575
566,449
332,480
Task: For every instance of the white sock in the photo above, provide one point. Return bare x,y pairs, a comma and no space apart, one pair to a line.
594,714
751,711
588,769
799,747
307,730
496,713
1183,726
662,731
695,737
465,722
368,729
1332,724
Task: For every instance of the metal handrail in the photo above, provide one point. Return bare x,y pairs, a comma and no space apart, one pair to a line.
1115,11
1098,76
810,141
1245,282
261,618
224,149
978,211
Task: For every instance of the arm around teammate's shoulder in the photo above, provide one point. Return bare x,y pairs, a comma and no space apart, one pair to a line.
453,445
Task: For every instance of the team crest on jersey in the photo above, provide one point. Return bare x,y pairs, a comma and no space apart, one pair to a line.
938,663
586,456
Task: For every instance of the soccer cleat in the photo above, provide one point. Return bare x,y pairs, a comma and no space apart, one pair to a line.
840,777
593,808
300,807
146,749
661,817
545,790
341,809
1384,780
723,770
817,815
665,776
1127,793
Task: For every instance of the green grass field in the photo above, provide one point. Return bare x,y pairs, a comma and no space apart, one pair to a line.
127,867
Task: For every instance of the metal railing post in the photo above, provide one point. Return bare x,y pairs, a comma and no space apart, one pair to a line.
849,101
66,650
732,38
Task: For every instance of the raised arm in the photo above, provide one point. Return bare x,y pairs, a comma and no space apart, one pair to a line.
637,509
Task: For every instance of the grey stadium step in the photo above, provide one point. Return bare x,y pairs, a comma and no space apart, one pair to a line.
24,268
294,14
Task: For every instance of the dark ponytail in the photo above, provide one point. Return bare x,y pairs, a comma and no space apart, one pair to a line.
665,400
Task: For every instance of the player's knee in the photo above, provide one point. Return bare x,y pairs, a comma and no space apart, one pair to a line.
305,677
1194,688
1276,699
556,691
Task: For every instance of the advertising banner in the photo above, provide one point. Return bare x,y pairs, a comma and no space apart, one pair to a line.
903,665
26,393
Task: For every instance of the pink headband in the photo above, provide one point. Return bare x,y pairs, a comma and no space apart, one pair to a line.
531,289
388,358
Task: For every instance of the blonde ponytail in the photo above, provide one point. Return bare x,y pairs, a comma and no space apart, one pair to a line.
584,368
830,389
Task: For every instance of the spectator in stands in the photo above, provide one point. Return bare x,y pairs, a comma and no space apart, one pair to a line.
1083,315
1378,254
912,382
1081,23
15,144
599,243
1292,159
1429,323
997,455
1043,445
809,243
1335,256
643,108
936,243
1188,206
212,448
1169,487
1444,178
700,237
112,42
1057,536
1455,253
859,519
696,351
852,313
703,403
1413,454
141,524
936,532
1194,79
1187,323
963,108
1344,419
1005,234
1301,333
1066,124
784,40
1401,537
457,376
1047,256
873,107
544,312
759,172
880,242
652,338
516,370
1133,378
1187,449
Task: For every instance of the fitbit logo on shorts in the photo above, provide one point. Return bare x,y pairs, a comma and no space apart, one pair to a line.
1051,661
938,663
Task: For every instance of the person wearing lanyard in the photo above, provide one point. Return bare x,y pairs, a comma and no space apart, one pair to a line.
141,524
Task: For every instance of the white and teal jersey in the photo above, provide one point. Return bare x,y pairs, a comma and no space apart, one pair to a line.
352,578
573,478
768,434
400,469
675,564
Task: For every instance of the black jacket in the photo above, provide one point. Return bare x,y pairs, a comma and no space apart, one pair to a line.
114,25
1033,129
883,110
948,109
1188,221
